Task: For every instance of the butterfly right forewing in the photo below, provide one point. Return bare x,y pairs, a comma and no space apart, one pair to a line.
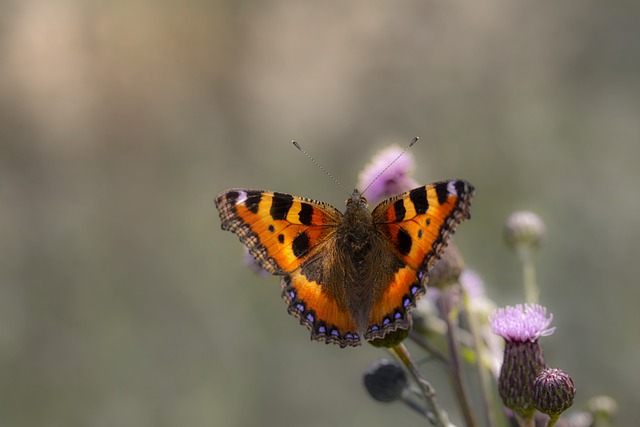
419,224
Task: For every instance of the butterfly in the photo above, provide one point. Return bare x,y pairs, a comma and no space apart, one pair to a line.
350,276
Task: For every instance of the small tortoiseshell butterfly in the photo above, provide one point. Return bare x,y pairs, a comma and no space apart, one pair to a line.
353,275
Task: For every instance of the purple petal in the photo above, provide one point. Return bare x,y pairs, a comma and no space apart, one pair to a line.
521,323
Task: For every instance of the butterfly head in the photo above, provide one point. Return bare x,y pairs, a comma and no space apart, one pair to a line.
357,200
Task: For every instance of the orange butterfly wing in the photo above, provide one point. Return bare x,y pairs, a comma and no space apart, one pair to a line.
291,236
419,224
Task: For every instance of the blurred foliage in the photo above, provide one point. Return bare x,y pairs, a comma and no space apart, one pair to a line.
123,303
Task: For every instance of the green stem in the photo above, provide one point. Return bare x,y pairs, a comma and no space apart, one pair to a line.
408,399
438,416
525,421
552,420
531,290
426,346
457,379
479,350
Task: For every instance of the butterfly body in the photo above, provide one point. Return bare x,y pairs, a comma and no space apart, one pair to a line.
362,265
353,275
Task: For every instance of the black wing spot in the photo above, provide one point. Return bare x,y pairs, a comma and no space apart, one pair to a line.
253,200
306,213
442,192
232,197
281,238
419,198
404,242
280,205
400,210
300,244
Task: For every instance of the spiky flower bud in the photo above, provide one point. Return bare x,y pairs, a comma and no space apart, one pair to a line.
520,326
385,380
524,228
553,391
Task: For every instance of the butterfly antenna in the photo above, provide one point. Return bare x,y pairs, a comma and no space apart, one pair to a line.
411,144
320,166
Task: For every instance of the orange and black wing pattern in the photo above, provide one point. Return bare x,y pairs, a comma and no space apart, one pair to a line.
281,231
292,237
419,224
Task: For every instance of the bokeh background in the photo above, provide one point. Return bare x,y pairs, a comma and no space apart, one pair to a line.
123,303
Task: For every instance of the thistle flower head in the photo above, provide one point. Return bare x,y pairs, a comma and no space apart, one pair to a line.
553,391
393,181
520,326
385,380
522,323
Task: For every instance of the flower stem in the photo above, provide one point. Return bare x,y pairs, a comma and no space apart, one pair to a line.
478,348
408,399
426,346
525,421
531,290
457,378
552,420
437,416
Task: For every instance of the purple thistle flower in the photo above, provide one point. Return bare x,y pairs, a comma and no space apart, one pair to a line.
393,181
520,326
522,323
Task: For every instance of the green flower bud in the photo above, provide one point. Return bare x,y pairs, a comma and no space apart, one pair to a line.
524,229
553,391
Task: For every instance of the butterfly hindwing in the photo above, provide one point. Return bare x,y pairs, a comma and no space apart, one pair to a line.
279,230
419,224
325,314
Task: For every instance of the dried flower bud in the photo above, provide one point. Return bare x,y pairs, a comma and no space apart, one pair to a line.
524,228
385,380
447,269
553,391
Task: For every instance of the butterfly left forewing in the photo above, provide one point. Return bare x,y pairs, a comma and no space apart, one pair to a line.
419,224
279,230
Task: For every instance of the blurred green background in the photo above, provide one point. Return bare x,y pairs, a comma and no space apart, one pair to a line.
123,303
